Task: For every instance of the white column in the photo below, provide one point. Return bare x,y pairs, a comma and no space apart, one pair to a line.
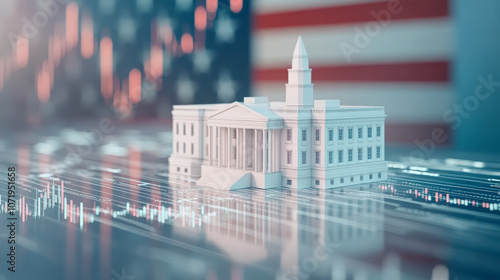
218,136
228,147
270,152
244,149
255,151
277,145
237,148
264,151
275,154
278,151
209,145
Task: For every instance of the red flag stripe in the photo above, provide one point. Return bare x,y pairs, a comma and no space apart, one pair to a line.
410,133
353,13
395,72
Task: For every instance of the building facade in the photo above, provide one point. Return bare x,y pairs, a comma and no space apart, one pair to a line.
298,143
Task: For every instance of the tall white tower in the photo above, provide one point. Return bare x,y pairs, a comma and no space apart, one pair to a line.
299,90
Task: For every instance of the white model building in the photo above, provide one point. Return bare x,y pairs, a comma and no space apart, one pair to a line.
299,143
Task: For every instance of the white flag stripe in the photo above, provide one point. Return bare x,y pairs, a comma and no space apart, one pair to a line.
269,6
401,41
404,102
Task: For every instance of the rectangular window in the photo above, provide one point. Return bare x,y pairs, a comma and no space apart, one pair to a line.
349,133
360,153
370,176
289,182
184,147
178,169
369,153
317,182
234,133
330,157
304,157
341,156
288,135
330,135
352,179
289,157
341,134
331,182
318,132
370,132
361,178
304,135
317,157
378,131
177,128
184,129
360,132
177,147
378,152
379,175
192,148
185,170
349,155
192,129
342,180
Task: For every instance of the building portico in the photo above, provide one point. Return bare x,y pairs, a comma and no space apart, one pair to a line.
244,140
255,150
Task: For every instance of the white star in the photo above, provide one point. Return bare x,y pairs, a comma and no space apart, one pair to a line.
145,5
202,60
127,28
106,6
183,5
185,89
226,88
166,21
225,27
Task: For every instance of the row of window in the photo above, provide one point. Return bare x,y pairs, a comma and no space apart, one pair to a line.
340,155
177,146
342,179
183,129
351,179
179,170
340,133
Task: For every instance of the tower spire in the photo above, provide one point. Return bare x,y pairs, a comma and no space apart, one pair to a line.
300,60
299,90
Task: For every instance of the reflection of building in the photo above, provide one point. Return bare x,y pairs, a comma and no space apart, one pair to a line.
299,143
287,229
251,226
332,227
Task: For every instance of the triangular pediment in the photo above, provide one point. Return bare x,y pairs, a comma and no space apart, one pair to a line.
237,111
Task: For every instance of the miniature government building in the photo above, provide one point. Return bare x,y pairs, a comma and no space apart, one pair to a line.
299,143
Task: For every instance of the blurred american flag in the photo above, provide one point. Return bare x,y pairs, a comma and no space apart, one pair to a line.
363,52
401,61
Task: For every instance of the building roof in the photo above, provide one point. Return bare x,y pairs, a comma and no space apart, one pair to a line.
255,112
300,49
